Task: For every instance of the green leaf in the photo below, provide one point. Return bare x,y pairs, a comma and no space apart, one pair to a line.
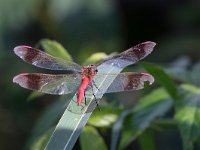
161,77
116,130
41,142
91,140
34,95
195,74
127,133
150,108
54,112
157,95
190,88
164,123
104,118
143,118
55,49
95,58
147,110
178,69
188,116
146,141
46,121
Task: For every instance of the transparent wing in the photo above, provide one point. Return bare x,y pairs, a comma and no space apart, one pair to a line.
130,56
43,60
50,84
127,81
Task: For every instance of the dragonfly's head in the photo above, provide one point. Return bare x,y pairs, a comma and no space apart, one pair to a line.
92,68
89,71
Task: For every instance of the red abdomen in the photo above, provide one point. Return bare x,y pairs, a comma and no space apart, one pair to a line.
81,90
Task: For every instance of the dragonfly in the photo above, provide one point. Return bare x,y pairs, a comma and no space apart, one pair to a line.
81,78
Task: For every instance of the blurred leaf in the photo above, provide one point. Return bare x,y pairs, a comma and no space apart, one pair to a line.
127,133
165,123
178,69
143,118
54,112
90,139
190,88
104,118
157,95
162,78
146,141
116,130
55,49
144,114
188,116
95,58
182,73
47,120
148,108
34,95
195,74
41,142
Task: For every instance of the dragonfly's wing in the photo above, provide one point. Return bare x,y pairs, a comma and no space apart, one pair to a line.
130,81
130,56
43,60
50,84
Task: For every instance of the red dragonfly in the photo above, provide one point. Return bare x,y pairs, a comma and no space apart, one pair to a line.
82,79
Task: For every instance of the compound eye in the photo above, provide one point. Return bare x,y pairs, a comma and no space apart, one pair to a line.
96,70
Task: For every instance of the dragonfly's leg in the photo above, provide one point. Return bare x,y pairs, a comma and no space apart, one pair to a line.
95,99
85,98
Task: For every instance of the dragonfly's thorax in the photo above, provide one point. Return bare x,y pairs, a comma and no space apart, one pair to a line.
89,72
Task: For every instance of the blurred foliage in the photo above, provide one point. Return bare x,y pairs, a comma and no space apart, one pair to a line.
55,49
159,120
97,142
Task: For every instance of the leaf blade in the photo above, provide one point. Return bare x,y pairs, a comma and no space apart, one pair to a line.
104,118
90,139
117,129
148,108
161,77
188,116
55,49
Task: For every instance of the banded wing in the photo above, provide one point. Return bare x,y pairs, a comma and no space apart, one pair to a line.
50,84
43,60
130,56
128,81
